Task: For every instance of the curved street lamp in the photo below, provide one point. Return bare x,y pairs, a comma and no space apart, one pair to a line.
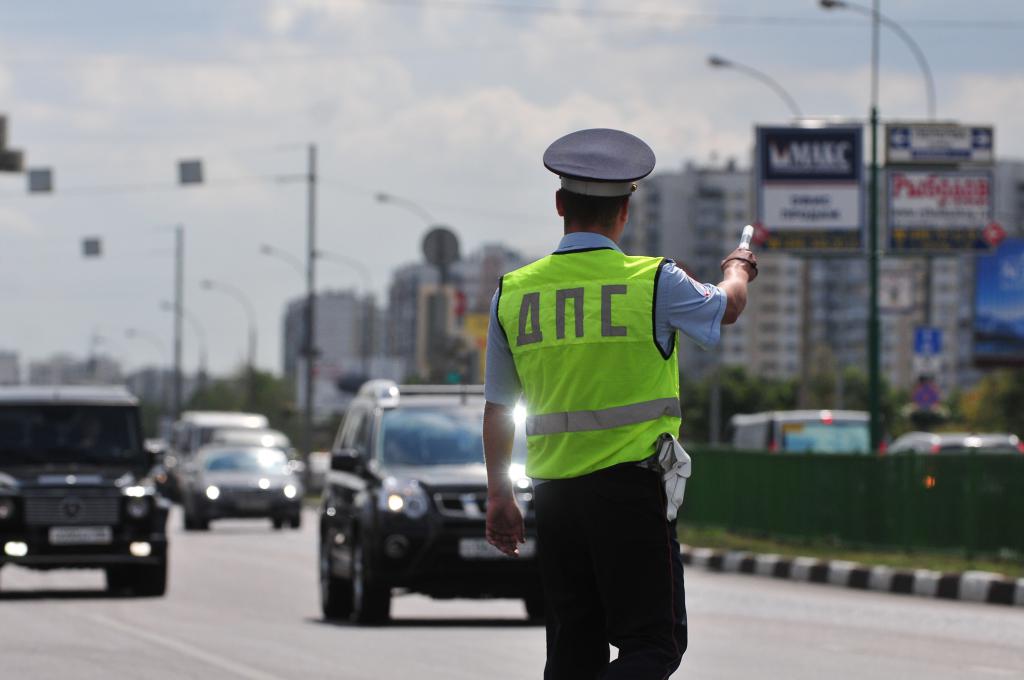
411,206
716,61
929,82
284,256
250,312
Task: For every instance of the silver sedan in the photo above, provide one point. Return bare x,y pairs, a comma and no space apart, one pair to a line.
241,481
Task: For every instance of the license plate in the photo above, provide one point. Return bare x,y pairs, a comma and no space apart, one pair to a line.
480,549
81,536
252,504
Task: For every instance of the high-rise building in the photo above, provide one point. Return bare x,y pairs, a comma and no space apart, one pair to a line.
10,370
64,369
350,344
474,280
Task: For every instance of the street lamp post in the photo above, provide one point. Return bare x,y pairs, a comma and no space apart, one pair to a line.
197,328
178,308
250,313
874,349
715,415
716,61
154,340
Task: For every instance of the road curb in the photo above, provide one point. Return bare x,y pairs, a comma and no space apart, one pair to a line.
973,586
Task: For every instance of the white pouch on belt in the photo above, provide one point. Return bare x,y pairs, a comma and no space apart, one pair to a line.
676,467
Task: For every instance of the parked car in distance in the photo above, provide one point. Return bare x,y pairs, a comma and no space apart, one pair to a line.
224,480
802,431
74,486
956,442
405,501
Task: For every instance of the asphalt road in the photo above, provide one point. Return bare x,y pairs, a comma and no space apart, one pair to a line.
243,604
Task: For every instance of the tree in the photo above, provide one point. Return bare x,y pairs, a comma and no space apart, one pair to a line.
994,404
272,396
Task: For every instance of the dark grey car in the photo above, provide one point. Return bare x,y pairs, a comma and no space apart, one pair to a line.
241,481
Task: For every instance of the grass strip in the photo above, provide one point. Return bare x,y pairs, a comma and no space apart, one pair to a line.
715,537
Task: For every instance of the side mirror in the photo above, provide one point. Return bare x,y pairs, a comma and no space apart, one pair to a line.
346,460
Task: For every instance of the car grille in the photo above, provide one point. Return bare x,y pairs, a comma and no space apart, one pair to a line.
473,504
72,507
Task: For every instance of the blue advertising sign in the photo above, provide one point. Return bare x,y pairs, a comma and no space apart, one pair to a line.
999,306
809,188
927,341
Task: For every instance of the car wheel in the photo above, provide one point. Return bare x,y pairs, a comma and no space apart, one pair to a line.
296,521
371,600
335,593
536,605
278,523
149,580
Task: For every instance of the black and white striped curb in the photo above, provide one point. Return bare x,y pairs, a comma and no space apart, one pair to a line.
975,586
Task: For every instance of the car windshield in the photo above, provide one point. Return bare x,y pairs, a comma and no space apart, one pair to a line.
437,436
248,460
64,433
264,438
826,437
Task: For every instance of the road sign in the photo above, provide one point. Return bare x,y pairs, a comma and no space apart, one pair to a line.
927,341
190,172
926,394
40,180
938,143
92,247
895,291
441,246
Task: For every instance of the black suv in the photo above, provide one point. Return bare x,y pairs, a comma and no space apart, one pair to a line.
404,505
74,490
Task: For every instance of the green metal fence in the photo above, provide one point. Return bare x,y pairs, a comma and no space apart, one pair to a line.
974,502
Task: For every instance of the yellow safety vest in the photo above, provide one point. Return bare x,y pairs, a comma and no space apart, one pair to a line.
598,389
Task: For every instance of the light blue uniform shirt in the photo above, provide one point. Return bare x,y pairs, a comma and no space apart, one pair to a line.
680,303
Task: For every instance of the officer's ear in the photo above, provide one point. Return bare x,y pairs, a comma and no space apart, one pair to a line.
624,211
559,208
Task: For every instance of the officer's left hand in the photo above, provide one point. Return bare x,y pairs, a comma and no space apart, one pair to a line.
505,529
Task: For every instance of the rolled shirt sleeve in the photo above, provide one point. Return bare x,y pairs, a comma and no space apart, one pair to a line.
682,303
501,385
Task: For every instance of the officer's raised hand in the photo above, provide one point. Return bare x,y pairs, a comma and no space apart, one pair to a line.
744,259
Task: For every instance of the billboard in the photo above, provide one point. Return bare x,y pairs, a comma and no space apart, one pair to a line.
942,143
939,211
809,188
999,306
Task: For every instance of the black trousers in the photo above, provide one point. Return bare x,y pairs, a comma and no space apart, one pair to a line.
612,575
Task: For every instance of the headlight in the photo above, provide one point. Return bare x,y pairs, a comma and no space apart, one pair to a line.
212,492
290,491
6,508
138,507
404,496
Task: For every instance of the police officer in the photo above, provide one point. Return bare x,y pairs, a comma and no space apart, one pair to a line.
587,337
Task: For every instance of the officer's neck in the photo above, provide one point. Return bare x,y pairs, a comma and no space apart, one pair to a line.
615,233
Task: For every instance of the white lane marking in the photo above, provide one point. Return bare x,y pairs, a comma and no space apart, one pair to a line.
187,650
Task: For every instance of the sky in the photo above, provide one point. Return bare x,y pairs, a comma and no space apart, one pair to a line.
447,103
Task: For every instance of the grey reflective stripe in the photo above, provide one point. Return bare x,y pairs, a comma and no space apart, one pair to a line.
603,419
